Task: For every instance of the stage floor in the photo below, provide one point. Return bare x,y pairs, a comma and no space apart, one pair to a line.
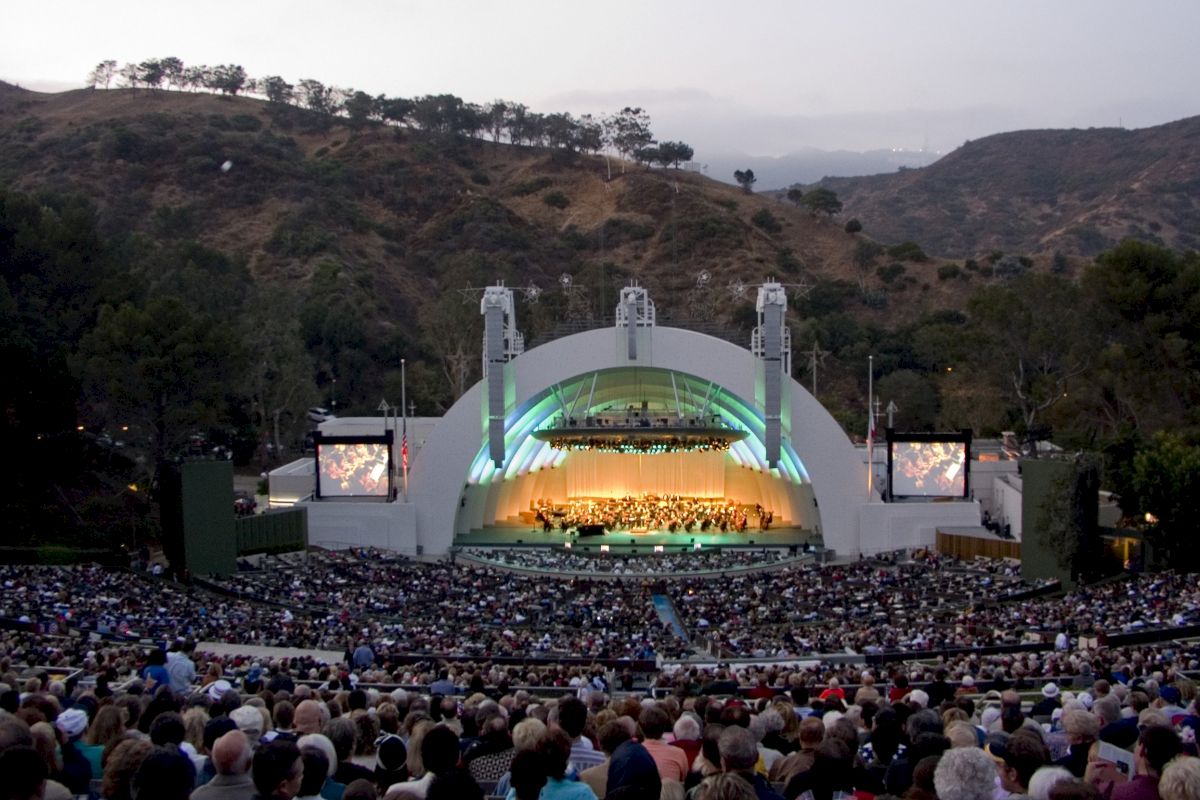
522,535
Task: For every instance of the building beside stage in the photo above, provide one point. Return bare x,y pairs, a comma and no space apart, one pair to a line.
634,409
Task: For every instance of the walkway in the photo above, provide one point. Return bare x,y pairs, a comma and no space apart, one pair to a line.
669,616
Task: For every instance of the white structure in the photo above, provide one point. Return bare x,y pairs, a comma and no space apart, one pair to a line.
479,464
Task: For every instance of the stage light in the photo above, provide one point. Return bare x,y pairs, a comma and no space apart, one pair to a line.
696,546
567,545
658,548
603,548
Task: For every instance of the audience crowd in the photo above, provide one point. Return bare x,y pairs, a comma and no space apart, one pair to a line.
1123,731
664,563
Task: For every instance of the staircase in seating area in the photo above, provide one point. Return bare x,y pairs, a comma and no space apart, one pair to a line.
669,616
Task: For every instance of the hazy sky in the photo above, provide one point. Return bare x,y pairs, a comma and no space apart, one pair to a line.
763,78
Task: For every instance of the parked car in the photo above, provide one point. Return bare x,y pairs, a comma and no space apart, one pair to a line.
318,414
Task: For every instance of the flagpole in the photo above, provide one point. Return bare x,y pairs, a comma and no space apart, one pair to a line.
404,417
870,427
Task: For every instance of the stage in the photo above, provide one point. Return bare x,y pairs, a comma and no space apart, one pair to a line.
515,534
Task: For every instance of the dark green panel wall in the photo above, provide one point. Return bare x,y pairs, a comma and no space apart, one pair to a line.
206,494
1037,558
272,532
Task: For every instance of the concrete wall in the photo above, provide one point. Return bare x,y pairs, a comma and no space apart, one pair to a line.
339,525
1007,490
891,526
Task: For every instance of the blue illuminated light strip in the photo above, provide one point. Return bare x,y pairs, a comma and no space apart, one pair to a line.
530,455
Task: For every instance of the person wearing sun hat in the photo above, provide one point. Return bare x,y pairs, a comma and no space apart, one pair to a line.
1050,701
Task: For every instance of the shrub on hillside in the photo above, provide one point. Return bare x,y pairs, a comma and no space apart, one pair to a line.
907,251
948,272
556,200
764,219
531,186
890,272
853,226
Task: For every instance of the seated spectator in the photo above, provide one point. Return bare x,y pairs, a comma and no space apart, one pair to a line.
1180,779
332,790
526,735
686,733
1017,757
671,761
965,773
1082,728
123,763
832,772
572,718
1156,747
25,773
75,772
724,786
528,776
316,773
391,757
361,790
739,754
439,760
492,754
107,727
231,760
613,734
165,774
1045,779
342,733
632,774
277,771
554,750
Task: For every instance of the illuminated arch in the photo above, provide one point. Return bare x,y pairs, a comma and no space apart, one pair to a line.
817,456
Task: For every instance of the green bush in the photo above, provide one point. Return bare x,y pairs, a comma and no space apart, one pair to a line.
727,203
531,187
617,230
786,260
890,272
245,122
480,177
764,219
948,272
556,200
907,251
853,226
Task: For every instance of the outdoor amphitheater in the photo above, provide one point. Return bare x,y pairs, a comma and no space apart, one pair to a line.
632,562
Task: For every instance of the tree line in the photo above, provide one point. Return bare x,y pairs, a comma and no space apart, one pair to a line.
626,132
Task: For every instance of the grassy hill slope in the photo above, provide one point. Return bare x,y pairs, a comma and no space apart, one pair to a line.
1078,191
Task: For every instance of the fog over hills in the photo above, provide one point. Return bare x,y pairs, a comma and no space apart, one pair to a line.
810,165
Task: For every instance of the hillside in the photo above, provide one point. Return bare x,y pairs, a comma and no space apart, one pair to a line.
385,225
1078,191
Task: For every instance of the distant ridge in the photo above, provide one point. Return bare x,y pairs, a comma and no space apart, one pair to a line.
1078,191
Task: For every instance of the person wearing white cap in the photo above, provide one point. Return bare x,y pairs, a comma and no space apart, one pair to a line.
1050,701
249,721
76,772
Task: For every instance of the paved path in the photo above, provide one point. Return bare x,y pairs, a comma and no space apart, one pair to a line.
267,653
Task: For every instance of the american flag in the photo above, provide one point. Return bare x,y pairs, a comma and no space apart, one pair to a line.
404,450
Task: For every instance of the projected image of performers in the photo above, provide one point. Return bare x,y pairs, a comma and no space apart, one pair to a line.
930,469
353,469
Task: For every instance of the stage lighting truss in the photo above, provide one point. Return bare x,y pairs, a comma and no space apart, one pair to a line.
639,434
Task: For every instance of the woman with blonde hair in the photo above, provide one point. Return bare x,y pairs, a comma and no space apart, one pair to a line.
107,727
725,786
194,720
416,768
126,757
